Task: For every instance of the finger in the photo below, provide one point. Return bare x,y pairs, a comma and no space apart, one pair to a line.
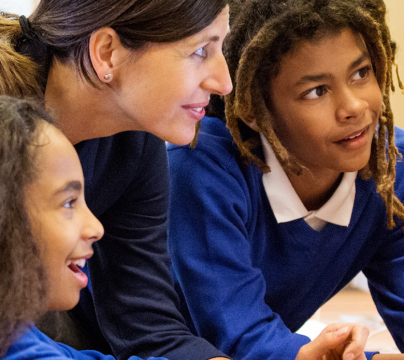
329,339
355,349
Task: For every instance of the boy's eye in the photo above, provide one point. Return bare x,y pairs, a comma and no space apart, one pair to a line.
201,52
316,92
362,73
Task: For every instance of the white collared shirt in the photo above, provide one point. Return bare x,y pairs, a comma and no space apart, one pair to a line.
287,206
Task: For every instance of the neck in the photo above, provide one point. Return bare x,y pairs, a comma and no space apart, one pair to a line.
314,190
82,111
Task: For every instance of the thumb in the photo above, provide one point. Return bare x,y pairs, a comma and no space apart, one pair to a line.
329,338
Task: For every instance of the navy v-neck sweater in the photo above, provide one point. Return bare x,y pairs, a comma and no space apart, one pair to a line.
130,302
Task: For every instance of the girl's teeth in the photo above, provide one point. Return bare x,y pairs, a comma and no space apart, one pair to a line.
198,109
80,263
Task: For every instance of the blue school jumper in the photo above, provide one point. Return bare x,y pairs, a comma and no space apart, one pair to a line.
34,345
249,283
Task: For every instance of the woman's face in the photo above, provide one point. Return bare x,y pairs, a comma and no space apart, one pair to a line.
166,87
326,103
61,222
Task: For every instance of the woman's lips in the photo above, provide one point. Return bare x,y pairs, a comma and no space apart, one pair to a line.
196,111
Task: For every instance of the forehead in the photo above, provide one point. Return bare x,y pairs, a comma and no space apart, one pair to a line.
213,32
57,163
325,52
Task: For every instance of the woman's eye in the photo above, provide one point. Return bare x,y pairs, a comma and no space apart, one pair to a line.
201,52
362,73
316,92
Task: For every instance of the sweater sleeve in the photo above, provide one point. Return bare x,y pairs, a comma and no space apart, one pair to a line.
34,345
133,294
385,277
211,257
385,272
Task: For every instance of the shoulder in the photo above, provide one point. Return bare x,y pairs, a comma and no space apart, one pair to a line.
399,142
32,345
214,143
127,144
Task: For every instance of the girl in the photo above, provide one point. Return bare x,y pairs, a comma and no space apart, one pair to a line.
107,68
270,219
46,225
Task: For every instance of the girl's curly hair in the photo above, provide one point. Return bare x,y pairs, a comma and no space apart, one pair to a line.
263,33
23,284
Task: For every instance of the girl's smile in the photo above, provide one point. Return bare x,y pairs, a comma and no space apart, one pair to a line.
62,224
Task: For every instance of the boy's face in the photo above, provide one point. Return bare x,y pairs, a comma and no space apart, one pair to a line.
326,104
61,222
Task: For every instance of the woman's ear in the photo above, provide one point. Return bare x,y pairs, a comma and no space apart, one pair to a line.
105,52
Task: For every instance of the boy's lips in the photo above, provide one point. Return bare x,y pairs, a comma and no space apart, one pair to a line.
353,135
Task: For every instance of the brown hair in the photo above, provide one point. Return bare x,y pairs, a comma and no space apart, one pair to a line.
23,285
63,29
263,33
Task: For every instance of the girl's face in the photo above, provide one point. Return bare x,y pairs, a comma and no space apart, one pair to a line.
61,222
166,87
326,103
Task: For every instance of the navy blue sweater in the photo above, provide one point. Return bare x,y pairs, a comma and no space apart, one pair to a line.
130,302
250,282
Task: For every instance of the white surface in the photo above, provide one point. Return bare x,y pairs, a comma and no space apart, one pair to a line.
312,328
360,282
19,7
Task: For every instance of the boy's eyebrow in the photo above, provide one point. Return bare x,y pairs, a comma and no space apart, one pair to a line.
326,76
71,185
361,59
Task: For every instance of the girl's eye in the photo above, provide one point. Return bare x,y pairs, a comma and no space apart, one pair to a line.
362,73
201,52
316,92
69,204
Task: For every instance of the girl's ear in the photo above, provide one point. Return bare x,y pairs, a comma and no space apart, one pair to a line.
106,52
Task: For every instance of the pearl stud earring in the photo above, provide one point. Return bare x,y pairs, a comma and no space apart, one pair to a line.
107,77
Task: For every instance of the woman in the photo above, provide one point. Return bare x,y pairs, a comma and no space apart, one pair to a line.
106,68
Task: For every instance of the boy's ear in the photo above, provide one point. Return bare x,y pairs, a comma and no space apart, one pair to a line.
267,118
106,52
253,125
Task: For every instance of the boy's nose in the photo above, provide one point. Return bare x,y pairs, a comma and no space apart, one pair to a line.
350,106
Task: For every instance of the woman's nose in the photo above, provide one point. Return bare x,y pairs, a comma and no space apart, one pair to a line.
218,80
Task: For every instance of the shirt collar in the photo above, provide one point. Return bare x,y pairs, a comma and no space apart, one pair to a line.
286,204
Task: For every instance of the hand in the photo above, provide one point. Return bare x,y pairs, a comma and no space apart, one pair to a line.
337,341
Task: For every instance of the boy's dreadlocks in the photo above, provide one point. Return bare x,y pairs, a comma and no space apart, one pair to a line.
263,33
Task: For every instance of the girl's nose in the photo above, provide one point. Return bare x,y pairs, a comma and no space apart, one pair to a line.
93,229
